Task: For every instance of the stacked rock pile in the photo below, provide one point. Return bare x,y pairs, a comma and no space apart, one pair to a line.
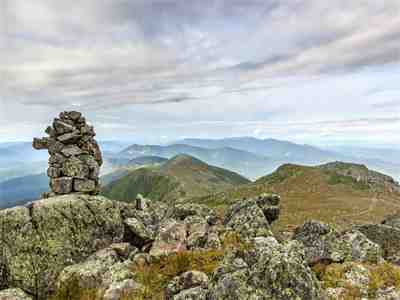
75,157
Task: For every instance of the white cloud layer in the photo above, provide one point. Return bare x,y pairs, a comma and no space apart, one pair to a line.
315,71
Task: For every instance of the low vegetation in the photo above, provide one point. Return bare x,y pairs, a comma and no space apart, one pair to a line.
379,277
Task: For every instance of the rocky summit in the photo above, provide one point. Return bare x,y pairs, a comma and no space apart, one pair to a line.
75,157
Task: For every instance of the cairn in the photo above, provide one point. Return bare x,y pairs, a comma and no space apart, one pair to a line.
75,157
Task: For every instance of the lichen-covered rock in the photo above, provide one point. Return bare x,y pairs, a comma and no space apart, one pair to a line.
61,185
393,221
47,235
171,238
186,281
139,233
84,185
247,218
268,270
14,294
323,243
387,237
105,271
183,210
197,232
196,293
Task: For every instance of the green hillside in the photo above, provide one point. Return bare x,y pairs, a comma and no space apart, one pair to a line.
336,193
180,177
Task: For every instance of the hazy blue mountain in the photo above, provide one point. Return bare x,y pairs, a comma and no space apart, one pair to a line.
22,189
248,164
272,148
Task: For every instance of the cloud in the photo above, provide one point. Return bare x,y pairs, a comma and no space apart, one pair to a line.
211,60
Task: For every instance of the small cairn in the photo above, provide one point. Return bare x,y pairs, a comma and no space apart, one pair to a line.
75,157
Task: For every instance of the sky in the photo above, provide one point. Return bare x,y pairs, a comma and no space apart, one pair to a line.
308,71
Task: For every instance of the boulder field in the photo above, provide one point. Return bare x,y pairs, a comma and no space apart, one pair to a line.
65,246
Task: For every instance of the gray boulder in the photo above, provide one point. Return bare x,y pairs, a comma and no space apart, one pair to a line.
179,286
269,270
14,294
387,237
48,235
253,217
324,243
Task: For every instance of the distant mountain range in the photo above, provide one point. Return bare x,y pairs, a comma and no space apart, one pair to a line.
272,148
182,176
22,189
246,163
250,157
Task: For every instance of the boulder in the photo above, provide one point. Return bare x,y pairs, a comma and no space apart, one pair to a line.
171,238
139,235
46,236
105,272
387,237
247,218
187,281
323,243
268,270
14,294
183,210
393,221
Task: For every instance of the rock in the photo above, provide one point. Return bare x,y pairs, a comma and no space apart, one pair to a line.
187,280
196,293
68,138
75,168
73,115
390,293
53,172
323,243
57,158
269,203
197,231
14,294
40,144
105,271
61,185
141,202
71,150
84,185
267,271
171,238
55,147
118,290
387,237
50,234
139,234
393,221
62,127
248,219
183,210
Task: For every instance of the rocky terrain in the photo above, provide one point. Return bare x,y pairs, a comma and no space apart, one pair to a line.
89,247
